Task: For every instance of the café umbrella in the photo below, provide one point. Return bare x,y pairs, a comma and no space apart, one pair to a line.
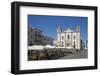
49,46
35,47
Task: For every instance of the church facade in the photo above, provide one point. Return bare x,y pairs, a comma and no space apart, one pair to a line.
68,38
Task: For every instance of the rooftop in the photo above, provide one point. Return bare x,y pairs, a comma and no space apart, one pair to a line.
68,30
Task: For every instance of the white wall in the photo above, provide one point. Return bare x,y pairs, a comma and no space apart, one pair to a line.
5,41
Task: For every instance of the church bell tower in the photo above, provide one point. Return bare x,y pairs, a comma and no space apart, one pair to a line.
59,29
78,29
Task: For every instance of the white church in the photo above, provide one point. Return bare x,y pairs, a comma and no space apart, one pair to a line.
68,38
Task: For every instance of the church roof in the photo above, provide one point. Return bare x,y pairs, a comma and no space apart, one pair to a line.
68,30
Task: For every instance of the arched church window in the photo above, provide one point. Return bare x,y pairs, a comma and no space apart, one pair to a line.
62,37
68,44
62,42
68,36
74,42
74,37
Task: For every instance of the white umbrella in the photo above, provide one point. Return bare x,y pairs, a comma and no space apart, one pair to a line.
49,46
35,47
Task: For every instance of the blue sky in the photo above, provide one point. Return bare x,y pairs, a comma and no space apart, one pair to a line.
48,24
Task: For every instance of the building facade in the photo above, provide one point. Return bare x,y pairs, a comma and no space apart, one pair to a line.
47,40
68,39
35,37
